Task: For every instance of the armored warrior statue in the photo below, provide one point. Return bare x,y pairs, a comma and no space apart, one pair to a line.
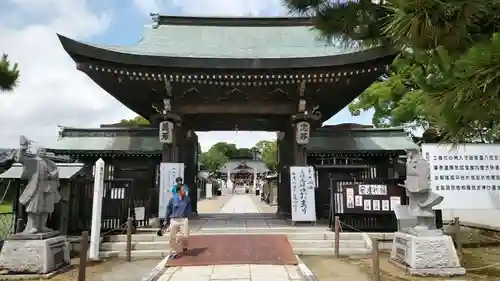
417,218
41,192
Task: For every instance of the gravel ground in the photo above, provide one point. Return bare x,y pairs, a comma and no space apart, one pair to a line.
111,270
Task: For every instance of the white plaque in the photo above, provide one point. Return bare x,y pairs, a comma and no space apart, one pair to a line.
166,132
467,176
386,205
367,205
395,201
302,132
168,173
376,205
140,213
358,201
302,185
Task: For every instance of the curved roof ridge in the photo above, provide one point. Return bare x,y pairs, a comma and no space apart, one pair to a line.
159,19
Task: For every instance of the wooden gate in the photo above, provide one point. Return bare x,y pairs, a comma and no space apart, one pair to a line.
365,205
120,199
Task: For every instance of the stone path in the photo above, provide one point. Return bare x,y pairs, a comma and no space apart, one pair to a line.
214,205
239,204
245,272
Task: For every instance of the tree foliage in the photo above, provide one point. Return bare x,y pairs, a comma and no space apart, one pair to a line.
268,153
9,74
446,75
136,121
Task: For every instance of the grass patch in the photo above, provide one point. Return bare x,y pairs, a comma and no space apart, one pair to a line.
5,208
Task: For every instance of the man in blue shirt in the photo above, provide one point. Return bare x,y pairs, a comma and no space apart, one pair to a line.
179,182
176,219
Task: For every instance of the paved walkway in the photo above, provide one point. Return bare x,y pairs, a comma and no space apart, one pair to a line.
240,204
245,272
247,214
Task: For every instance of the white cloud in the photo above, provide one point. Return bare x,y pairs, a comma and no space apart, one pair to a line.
230,7
51,91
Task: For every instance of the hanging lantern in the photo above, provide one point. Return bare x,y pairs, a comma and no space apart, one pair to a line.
302,132
166,131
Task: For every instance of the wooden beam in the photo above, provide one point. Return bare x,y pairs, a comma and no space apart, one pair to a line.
238,108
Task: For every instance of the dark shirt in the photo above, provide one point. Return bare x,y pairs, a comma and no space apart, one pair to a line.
178,208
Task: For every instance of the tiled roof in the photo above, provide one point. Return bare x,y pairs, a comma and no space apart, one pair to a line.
66,170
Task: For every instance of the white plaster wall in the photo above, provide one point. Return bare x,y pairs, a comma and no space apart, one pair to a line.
479,218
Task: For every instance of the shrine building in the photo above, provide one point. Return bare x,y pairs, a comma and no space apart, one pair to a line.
192,74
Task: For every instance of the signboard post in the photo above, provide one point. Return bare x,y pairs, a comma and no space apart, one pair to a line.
467,176
302,185
95,229
168,173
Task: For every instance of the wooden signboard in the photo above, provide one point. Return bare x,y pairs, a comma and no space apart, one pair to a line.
372,198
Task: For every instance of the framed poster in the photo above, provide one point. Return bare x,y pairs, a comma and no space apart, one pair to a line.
168,173
467,176
302,185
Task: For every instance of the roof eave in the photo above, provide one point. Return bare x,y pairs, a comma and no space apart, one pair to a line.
73,48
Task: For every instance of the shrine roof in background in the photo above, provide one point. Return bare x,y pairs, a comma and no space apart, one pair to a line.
232,165
342,139
108,140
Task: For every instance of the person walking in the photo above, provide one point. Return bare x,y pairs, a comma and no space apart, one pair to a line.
179,182
176,220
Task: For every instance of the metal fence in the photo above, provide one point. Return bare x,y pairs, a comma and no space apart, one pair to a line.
6,226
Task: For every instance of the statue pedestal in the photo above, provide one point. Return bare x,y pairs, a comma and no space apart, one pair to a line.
426,256
34,253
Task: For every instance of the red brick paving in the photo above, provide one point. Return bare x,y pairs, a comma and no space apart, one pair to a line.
236,249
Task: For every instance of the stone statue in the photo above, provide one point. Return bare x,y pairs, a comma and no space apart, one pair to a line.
418,246
41,192
417,218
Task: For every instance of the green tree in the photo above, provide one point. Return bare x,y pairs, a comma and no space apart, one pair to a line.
268,153
9,74
451,54
138,121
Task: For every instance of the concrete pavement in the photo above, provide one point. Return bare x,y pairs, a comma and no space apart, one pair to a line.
244,272
239,204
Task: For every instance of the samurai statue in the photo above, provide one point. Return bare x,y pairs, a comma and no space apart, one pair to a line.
417,218
41,192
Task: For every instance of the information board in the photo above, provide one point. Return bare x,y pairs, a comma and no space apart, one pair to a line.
168,173
467,176
302,185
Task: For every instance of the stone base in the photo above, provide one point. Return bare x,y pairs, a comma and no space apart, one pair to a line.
34,256
426,256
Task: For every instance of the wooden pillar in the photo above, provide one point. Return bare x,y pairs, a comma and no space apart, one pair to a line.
286,159
188,147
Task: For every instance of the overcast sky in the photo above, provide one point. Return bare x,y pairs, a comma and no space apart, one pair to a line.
52,92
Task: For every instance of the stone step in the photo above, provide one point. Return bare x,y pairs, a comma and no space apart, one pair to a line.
291,236
330,251
144,254
160,245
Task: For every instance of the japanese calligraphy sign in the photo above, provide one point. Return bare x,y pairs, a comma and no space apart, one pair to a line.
302,185
467,176
302,132
166,132
168,173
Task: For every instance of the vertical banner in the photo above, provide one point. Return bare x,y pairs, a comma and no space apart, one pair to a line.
168,173
302,185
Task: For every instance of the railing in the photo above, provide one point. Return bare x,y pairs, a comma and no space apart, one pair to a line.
6,225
